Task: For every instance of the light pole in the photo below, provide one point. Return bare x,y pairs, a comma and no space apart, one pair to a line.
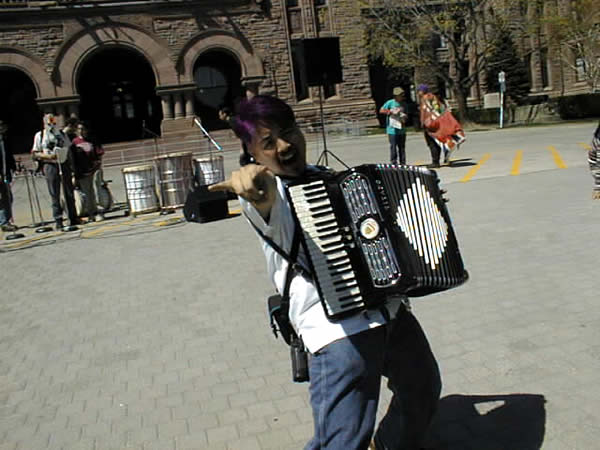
502,83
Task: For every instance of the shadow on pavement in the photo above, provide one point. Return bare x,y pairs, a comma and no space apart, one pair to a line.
464,162
489,422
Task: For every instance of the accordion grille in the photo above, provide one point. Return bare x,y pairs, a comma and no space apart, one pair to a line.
377,251
423,224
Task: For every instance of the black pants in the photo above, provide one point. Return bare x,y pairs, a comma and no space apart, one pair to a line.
397,148
434,148
54,181
5,201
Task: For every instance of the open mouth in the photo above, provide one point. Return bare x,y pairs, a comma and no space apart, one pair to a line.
288,157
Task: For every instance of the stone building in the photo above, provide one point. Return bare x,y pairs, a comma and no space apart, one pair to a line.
552,72
136,69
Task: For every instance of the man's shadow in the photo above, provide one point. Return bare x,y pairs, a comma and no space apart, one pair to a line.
463,162
489,422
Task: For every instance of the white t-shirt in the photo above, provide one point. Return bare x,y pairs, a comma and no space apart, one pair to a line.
62,147
306,311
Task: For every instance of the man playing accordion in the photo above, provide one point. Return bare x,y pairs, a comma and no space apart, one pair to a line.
349,355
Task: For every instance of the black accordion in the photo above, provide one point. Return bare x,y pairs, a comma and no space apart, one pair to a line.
373,231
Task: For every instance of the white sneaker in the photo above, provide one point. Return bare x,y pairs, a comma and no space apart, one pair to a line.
99,218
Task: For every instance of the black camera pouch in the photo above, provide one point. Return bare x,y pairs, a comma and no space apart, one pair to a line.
278,307
280,322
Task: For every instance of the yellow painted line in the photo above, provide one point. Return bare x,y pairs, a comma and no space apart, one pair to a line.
584,145
170,221
26,241
102,230
475,168
557,159
138,219
517,163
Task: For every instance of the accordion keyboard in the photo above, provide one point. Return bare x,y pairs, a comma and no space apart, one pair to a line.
326,246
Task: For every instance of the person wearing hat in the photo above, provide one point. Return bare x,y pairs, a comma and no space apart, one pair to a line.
395,111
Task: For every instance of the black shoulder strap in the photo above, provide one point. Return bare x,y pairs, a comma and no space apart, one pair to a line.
291,258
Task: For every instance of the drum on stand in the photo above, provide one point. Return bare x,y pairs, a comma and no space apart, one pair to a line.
209,170
175,178
140,188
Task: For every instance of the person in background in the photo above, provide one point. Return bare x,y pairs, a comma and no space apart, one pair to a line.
427,101
7,166
442,131
87,160
70,128
348,356
52,147
395,110
594,161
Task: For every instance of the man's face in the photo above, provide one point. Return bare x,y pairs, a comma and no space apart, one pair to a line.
399,98
281,151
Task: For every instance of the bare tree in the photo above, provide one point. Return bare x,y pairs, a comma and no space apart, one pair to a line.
402,34
574,28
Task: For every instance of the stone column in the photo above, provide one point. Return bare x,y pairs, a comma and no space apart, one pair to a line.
61,115
167,106
189,103
73,109
179,112
251,89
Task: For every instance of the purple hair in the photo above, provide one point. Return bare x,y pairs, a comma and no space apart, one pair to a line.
423,88
261,110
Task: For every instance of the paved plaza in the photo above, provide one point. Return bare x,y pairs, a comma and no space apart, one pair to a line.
149,332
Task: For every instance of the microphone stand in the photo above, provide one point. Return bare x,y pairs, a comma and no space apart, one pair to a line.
42,227
325,151
163,211
210,140
5,169
151,133
37,202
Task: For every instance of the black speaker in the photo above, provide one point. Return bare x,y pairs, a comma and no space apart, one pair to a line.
204,206
322,62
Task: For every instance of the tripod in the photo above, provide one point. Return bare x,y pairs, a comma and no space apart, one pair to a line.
325,152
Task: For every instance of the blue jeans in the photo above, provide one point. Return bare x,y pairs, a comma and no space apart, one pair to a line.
54,180
345,385
397,148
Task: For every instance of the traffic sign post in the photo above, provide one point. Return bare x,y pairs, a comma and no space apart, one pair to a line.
502,83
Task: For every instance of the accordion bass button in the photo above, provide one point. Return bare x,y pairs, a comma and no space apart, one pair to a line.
369,228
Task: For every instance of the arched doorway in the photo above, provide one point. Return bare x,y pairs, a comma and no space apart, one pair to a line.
18,109
217,76
118,97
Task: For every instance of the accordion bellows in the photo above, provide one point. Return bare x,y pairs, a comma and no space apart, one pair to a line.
374,231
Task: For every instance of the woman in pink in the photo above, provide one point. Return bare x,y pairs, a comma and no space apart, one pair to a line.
87,159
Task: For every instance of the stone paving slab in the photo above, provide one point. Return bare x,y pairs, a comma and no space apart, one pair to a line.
150,336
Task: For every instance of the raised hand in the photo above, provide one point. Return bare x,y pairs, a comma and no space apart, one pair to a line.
254,183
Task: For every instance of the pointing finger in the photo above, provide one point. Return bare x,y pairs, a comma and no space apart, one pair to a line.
226,185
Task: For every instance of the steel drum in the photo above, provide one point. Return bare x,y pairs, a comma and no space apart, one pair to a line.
209,170
140,188
175,178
